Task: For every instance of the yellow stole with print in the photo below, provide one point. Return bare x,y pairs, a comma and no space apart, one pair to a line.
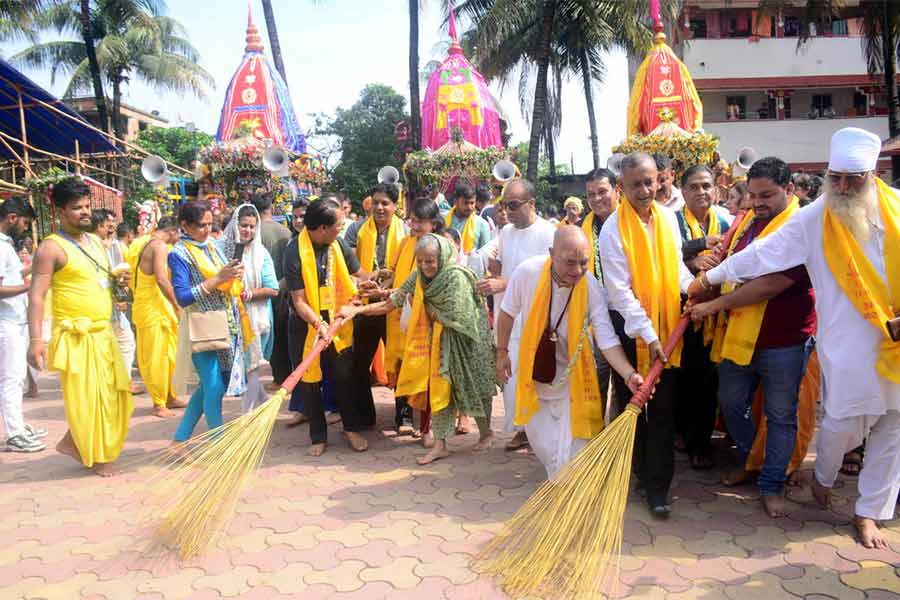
586,410
402,264
329,296
654,276
419,378
366,246
696,229
467,235
588,227
736,332
876,300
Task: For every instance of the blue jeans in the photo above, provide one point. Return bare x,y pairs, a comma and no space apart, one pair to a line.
206,399
780,371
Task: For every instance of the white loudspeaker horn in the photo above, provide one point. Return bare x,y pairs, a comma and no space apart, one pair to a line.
614,163
504,170
746,157
154,170
275,160
389,175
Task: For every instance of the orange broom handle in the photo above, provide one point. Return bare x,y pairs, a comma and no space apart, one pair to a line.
641,396
294,378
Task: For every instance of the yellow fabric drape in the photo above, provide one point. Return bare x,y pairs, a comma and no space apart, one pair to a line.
588,227
85,352
584,389
156,323
402,264
468,231
331,297
367,239
696,229
654,276
208,268
736,333
876,300
419,378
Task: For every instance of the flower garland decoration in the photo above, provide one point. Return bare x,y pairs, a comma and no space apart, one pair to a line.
41,184
684,150
440,168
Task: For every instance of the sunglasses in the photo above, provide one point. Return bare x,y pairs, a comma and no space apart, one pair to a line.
852,178
512,205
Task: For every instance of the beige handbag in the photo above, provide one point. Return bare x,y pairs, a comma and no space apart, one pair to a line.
209,331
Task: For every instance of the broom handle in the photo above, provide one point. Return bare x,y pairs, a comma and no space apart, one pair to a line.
294,378
641,396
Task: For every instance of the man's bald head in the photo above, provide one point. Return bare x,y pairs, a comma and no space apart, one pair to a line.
639,180
519,200
570,255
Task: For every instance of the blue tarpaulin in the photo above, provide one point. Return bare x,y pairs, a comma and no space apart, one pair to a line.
45,129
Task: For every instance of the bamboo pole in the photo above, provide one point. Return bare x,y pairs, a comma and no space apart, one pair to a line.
19,158
78,158
24,129
12,186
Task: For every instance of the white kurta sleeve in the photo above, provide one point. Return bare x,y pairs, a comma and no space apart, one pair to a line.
512,298
785,249
617,277
604,335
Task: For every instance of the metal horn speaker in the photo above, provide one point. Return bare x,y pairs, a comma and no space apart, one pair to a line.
275,160
746,157
614,163
389,175
504,170
154,170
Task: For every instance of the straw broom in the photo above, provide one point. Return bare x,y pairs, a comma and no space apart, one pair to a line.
566,540
200,487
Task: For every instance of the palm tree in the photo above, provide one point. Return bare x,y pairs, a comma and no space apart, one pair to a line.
133,39
273,38
87,35
415,106
17,18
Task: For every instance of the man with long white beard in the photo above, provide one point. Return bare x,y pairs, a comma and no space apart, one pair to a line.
850,245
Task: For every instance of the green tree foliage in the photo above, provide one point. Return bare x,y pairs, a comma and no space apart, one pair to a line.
175,144
365,132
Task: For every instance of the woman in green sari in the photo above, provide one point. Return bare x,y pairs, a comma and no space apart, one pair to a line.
449,356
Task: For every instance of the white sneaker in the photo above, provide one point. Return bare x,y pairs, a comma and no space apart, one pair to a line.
24,443
35,432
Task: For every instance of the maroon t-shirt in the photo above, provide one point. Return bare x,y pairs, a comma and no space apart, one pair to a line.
790,316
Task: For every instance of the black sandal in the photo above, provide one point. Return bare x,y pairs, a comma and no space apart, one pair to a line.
853,462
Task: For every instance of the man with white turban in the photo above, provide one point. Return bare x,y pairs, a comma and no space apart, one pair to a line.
849,242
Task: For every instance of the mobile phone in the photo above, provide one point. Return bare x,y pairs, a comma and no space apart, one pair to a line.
238,252
893,327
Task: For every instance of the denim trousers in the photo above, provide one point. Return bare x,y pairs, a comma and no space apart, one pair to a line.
780,371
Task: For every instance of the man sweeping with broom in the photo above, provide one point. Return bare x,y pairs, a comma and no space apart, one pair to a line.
558,399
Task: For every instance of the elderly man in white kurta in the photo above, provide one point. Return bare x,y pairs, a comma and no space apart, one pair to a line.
849,241
558,301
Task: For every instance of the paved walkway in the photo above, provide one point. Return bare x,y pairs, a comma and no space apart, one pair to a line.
376,525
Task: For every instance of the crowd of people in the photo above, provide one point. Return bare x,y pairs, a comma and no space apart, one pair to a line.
448,300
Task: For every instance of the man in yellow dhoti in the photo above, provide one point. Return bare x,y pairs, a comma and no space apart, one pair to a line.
74,266
155,314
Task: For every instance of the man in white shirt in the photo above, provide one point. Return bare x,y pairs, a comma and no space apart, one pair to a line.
525,236
667,194
640,239
16,215
551,292
850,245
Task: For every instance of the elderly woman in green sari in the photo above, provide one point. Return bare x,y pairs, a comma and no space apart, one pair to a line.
448,357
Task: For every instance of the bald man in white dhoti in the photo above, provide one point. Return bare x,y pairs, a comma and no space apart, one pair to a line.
849,241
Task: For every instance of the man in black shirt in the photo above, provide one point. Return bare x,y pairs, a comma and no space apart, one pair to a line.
322,222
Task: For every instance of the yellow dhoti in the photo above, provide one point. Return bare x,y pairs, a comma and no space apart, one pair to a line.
86,354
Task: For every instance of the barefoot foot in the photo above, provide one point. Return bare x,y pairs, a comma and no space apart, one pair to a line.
296,419
436,453
484,442
105,470
869,534
519,440
176,403
736,477
428,440
821,493
162,412
774,505
356,441
316,450
67,446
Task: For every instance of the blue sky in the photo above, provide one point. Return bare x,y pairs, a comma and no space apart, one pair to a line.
333,48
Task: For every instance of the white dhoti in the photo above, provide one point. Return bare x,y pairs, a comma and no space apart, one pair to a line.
879,479
509,389
550,435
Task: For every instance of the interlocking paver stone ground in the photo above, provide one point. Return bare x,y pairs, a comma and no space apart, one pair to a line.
377,525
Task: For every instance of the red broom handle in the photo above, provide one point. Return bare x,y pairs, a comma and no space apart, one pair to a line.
641,396
294,378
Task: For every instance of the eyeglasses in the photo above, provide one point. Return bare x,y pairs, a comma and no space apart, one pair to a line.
852,178
513,205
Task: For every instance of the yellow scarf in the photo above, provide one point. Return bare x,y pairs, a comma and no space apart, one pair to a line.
588,227
208,268
402,264
587,410
336,292
366,247
654,276
696,231
419,379
876,300
736,332
468,232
